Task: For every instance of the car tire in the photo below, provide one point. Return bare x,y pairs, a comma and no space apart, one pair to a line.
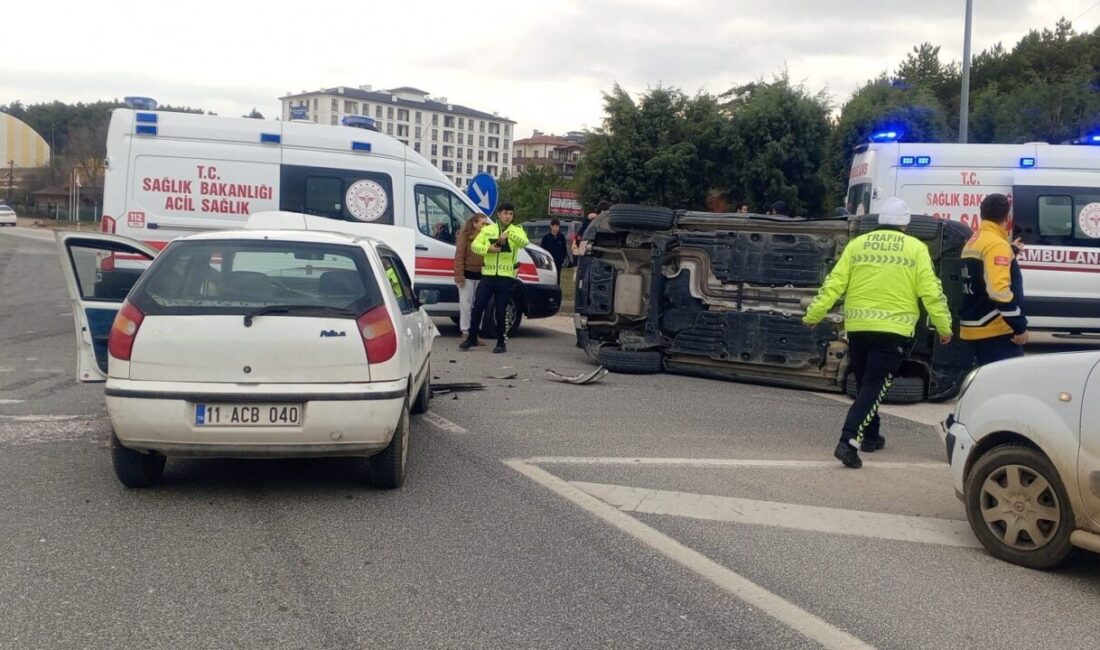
631,362
424,395
489,321
387,467
903,390
135,469
1002,469
641,217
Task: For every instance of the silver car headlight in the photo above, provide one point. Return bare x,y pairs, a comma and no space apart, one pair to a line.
542,260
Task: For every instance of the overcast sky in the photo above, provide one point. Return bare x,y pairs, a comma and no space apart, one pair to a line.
543,63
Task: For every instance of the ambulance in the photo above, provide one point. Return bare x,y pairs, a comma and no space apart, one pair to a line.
1055,194
172,174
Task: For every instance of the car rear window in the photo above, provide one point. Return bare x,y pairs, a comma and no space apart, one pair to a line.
238,276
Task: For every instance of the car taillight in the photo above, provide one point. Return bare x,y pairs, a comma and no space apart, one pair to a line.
107,224
120,343
379,337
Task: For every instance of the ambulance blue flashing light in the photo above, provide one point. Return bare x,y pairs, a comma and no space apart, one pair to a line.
892,135
924,161
271,138
908,161
1093,138
361,146
140,103
915,161
145,129
360,122
1027,163
148,118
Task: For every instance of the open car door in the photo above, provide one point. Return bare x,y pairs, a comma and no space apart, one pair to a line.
99,269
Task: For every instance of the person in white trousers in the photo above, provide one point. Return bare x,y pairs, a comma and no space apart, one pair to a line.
467,269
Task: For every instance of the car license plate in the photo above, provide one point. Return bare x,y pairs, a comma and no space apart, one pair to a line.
248,415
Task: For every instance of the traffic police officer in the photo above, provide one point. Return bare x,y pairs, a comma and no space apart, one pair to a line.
881,276
499,243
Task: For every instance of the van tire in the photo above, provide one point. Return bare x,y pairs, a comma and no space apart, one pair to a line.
642,217
133,468
387,467
903,390
630,362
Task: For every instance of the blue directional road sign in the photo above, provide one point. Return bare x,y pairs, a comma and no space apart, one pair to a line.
483,192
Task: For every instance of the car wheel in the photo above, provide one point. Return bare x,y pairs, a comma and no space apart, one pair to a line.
1018,508
135,469
903,390
424,396
642,217
387,467
631,362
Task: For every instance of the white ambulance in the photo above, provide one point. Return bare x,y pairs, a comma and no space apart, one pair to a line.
1055,193
172,174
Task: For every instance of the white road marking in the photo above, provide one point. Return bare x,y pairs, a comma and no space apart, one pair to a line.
723,462
42,418
782,610
11,401
835,521
528,412
563,324
443,423
21,430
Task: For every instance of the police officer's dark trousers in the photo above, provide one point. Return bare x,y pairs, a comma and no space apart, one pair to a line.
491,287
875,358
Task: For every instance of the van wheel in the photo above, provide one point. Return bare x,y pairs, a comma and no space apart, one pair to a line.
630,362
903,390
135,469
424,395
1018,508
641,217
387,467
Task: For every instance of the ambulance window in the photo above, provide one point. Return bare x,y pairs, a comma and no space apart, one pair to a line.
1059,219
324,196
859,199
439,213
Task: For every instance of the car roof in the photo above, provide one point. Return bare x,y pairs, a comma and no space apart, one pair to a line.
304,236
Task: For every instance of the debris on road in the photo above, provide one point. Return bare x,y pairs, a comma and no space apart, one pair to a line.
578,380
457,387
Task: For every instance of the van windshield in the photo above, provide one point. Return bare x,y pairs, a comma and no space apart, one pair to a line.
241,276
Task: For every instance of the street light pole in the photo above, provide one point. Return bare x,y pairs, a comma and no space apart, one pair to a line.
11,182
964,103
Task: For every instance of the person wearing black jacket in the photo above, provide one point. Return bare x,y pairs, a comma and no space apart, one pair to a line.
554,243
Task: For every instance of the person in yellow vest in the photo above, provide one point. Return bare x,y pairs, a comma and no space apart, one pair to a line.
499,244
881,275
993,322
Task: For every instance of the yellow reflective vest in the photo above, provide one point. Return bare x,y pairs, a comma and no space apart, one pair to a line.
504,263
881,276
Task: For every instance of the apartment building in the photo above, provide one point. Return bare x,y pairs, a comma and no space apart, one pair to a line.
460,141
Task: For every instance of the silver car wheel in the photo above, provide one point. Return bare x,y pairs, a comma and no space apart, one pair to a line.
1020,507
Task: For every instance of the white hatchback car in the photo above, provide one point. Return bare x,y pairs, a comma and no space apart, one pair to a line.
7,216
253,344
1024,448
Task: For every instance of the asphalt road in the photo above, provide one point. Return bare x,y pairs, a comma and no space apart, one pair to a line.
638,512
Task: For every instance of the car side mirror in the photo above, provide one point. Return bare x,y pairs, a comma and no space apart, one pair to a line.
428,296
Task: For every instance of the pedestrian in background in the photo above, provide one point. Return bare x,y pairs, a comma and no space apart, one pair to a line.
993,288
468,269
601,208
554,243
881,276
499,244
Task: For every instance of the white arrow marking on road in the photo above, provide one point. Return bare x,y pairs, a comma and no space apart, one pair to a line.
482,197
782,610
443,423
835,521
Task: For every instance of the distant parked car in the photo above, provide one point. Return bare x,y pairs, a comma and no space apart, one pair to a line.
1024,448
7,215
536,230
